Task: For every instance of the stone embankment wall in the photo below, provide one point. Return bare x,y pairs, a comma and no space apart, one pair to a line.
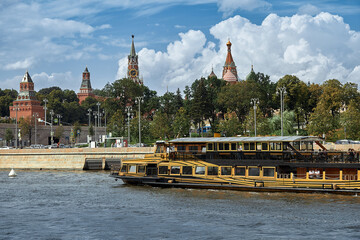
43,133
70,158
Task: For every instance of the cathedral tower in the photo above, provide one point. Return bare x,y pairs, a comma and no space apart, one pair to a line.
133,65
229,70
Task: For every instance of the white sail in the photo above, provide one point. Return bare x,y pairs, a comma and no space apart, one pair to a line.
12,173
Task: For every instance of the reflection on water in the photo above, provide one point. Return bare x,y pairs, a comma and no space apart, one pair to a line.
91,205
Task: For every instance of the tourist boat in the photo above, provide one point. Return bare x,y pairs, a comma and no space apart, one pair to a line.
272,164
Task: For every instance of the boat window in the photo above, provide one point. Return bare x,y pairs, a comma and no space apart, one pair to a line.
285,145
141,169
240,171
227,146
233,146
278,146
123,168
252,146
200,170
258,146
163,170
132,169
160,149
210,146
175,170
221,146
187,170
193,148
268,172
296,145
264,146
246,146
225,170
212,170
181,148
254,171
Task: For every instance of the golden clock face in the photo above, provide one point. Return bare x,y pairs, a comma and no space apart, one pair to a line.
133,72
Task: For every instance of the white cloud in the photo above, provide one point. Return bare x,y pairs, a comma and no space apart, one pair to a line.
313,48
26,63
44,80
308,9
228,7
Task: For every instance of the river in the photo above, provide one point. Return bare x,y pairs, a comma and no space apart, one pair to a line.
91,205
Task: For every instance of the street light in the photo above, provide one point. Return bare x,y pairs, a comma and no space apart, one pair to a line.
95,116
254,101
35,115
45,108
282,92
104,114
128,110
98,104
139,100
16,126
51,127
89,113
59,118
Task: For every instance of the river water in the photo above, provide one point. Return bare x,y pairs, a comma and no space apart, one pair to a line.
91,205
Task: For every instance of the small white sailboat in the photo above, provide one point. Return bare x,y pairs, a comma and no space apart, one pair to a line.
12,173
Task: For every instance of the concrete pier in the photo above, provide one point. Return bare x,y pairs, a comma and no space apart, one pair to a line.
68,158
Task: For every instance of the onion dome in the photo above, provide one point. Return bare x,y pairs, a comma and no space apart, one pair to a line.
252,74
212,74
230,77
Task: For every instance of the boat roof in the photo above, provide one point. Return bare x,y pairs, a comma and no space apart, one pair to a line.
246,139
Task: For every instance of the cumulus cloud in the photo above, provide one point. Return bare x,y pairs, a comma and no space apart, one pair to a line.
314,48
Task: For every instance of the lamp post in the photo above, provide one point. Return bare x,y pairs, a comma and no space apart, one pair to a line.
254,101
89,113
282,92
95,116
98,104
16,126
128,110
35,115
139,100
51,127
104,113
45,108
59,118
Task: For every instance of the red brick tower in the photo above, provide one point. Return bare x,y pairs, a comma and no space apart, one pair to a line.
133,65
229,71
85,88
26,103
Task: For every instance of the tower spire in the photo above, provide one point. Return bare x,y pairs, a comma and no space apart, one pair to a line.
132,51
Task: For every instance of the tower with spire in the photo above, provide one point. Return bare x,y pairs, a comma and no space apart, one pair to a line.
26,105
229,69
85,88
133,65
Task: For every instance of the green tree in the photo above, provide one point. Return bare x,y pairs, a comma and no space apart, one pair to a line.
77,130
350,121
160,127
230,126
296,97
25,128
9,136
181,124
91,130
59,132
117,124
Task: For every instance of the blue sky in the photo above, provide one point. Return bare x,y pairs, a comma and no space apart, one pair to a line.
177,41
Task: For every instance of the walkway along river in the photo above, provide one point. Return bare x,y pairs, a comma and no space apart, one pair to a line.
68,158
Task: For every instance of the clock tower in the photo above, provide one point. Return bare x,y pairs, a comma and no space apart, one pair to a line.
133,65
